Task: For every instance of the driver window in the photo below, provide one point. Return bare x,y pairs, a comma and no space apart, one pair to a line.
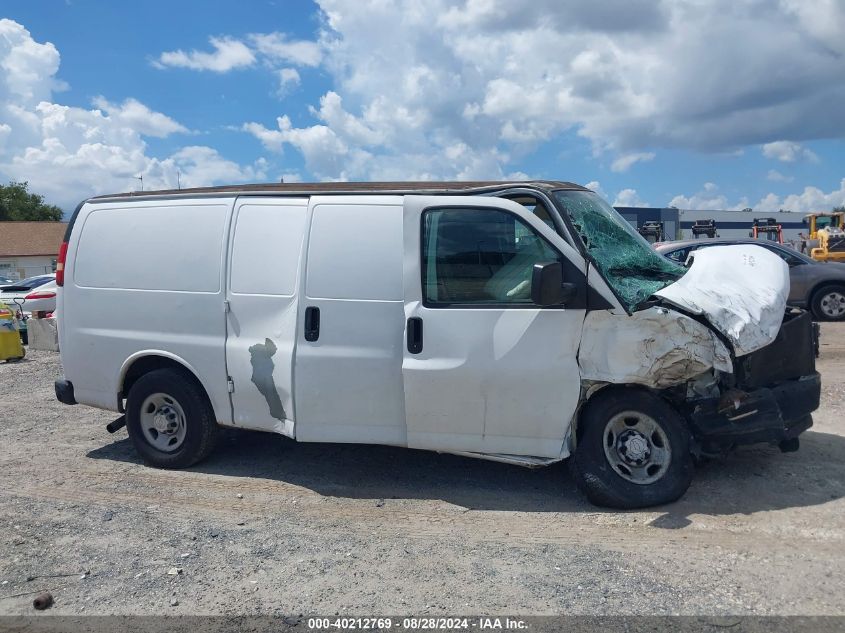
480,256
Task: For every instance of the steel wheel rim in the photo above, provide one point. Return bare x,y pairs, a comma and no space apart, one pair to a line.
636,447
833,304
163,422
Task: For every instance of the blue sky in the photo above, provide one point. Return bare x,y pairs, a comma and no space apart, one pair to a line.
700,105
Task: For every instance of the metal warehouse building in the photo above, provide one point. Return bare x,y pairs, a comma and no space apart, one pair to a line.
677,223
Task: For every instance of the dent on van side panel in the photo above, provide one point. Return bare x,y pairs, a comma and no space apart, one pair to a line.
145,275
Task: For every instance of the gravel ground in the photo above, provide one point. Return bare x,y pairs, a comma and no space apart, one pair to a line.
268,526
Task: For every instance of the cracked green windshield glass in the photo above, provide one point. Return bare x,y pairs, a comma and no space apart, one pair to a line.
628,263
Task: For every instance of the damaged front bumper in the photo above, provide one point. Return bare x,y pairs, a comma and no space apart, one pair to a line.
772,415
775,390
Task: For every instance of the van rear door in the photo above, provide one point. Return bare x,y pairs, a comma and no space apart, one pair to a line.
485,369
265,251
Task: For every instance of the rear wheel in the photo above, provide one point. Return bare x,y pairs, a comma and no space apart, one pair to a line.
169,419
829,303
633,451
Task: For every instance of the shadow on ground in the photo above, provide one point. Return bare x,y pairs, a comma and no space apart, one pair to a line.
750,480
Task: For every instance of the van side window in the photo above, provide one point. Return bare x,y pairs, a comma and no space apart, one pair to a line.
480,256
536,207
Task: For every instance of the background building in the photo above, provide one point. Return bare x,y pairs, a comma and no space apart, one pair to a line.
29,248
677,223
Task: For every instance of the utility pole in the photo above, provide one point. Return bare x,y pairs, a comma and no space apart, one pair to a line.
141,178
178,180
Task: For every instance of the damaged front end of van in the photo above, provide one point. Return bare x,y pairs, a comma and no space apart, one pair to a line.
714,340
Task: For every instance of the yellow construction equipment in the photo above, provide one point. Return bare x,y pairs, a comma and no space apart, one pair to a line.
816,222
825,239
831,246
11,348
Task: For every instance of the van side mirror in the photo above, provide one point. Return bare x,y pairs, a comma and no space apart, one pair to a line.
547,285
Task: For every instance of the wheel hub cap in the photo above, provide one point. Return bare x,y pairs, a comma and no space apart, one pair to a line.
633,447
637,447
163,422
833,304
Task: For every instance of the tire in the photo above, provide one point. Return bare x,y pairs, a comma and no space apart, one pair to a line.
828,303
654,476
170,420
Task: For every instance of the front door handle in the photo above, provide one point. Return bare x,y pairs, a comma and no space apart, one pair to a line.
415,335
312,323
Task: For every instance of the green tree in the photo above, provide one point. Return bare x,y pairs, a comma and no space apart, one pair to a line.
839,209
18,203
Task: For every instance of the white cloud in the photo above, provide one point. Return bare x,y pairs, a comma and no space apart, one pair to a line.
289,80
199,165
289,76
625,198
624,162
708,198
809,200
83,152
503,76
775,176
326,155
228,54
28,67
69,153
629,198
134,114
595,185
788,152
277,47
823,19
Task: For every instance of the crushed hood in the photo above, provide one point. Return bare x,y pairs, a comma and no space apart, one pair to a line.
740,290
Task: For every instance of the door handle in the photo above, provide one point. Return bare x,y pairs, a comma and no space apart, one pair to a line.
415,335
312,323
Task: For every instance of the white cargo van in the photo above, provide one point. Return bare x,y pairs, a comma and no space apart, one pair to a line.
520,322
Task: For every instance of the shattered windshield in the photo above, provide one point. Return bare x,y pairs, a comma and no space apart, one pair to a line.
629,264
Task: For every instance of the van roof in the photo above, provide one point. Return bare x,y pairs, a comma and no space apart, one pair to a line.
292,188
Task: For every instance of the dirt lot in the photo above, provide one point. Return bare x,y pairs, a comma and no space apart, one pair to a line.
270,526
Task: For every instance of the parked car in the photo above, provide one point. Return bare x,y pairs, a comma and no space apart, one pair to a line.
34,294
518,322
41,298
818,286
6,281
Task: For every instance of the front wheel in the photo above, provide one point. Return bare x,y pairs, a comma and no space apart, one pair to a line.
169,419
633,451
829,303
